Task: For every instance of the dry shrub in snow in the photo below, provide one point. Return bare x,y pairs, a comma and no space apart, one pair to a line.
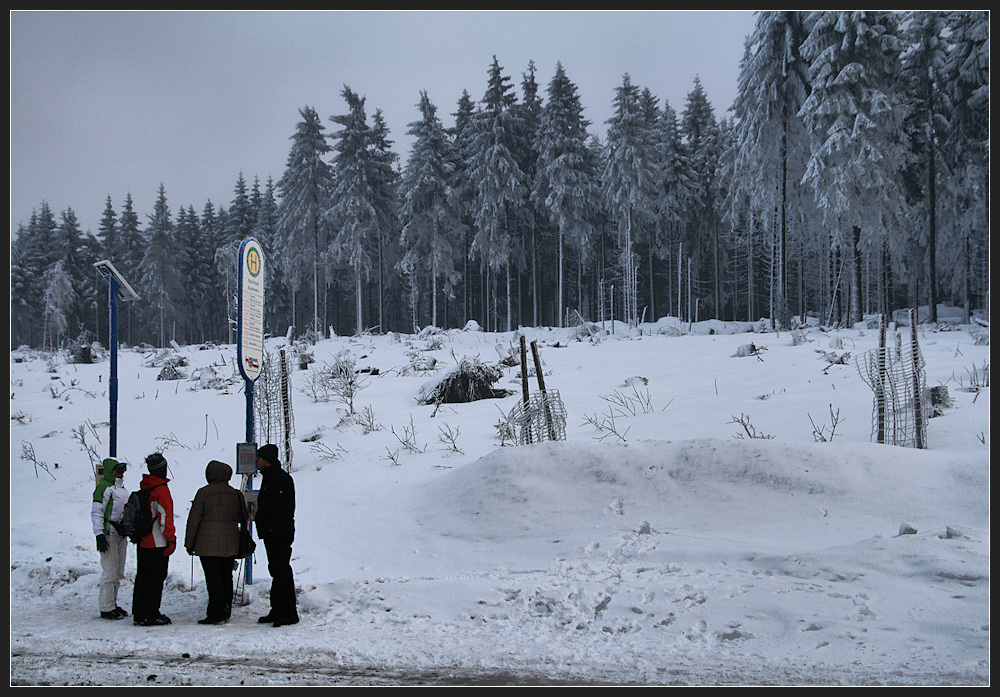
471,380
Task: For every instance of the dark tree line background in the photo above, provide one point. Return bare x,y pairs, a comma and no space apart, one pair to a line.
850,176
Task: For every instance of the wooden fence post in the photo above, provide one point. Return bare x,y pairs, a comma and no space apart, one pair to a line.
524,389
541,387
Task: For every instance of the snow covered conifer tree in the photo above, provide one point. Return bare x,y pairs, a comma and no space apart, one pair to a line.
855,117
58,300
133,247
528,216
160,280
566,185
277,313
359,208
462,137
38,253
385,192
772,145
430,209
499,181
191,262
304,197
701,133
923,64
21,318
629,181
68,246
108,232
967,146
673,181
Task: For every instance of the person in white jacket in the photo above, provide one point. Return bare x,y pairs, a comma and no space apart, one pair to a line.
109,504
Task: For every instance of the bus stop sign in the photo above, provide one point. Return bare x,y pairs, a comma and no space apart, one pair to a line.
250,345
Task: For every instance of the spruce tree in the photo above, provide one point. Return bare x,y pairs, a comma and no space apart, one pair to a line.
924,62
629,183
304,191
431,214
463,139
673,188
499,184
212,224
277,309
93,290
701,134
771,145
68,241
22,318
356,214
58,300
566,185
189,252
35,256
967,148
133,248
108,231
854,113
528,215
385,199
160,280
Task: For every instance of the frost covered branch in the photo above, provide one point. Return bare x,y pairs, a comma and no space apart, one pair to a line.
28,453
819,433
606,425
409,438
748,428
449,437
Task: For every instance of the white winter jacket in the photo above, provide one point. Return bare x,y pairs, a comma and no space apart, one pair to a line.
113,499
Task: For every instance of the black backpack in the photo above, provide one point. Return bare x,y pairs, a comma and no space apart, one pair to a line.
137,521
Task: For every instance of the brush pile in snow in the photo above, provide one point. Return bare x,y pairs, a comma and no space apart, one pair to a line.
471,380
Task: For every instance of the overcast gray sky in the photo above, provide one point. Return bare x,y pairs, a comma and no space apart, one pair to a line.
110,103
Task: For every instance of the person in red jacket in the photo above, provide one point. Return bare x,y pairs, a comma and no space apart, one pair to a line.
154,550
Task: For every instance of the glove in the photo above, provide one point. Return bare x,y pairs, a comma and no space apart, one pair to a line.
102,543
171,546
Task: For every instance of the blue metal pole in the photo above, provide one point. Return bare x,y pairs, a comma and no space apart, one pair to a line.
113,380
249,392
248,578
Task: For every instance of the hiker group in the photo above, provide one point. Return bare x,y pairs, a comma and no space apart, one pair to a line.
217,532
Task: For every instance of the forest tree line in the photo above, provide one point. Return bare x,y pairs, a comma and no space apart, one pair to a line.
850,176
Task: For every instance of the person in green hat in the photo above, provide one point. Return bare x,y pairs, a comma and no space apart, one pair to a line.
110,496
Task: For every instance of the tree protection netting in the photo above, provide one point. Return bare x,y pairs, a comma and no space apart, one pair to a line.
896,376
542,418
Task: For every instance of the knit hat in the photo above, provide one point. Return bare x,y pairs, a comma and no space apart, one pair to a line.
269,452
157,465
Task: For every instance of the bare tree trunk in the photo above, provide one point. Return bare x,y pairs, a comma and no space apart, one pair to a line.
856,304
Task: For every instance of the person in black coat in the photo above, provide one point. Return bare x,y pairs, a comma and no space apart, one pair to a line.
275,522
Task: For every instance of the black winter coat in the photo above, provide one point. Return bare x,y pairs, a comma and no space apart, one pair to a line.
275,517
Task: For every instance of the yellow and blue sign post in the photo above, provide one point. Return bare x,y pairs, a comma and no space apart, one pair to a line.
250,348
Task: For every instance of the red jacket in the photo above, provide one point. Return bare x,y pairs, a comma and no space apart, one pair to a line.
161,506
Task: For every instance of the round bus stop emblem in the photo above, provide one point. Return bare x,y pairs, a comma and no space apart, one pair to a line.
253,261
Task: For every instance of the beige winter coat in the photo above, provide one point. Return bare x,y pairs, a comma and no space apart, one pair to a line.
213,525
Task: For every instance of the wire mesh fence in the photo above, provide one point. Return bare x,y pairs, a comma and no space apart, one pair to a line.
541,418
897,377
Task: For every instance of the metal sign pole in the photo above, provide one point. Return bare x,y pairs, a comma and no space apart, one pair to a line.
113,380
118,288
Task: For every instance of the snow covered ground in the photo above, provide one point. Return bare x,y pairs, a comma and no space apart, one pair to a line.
659,543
